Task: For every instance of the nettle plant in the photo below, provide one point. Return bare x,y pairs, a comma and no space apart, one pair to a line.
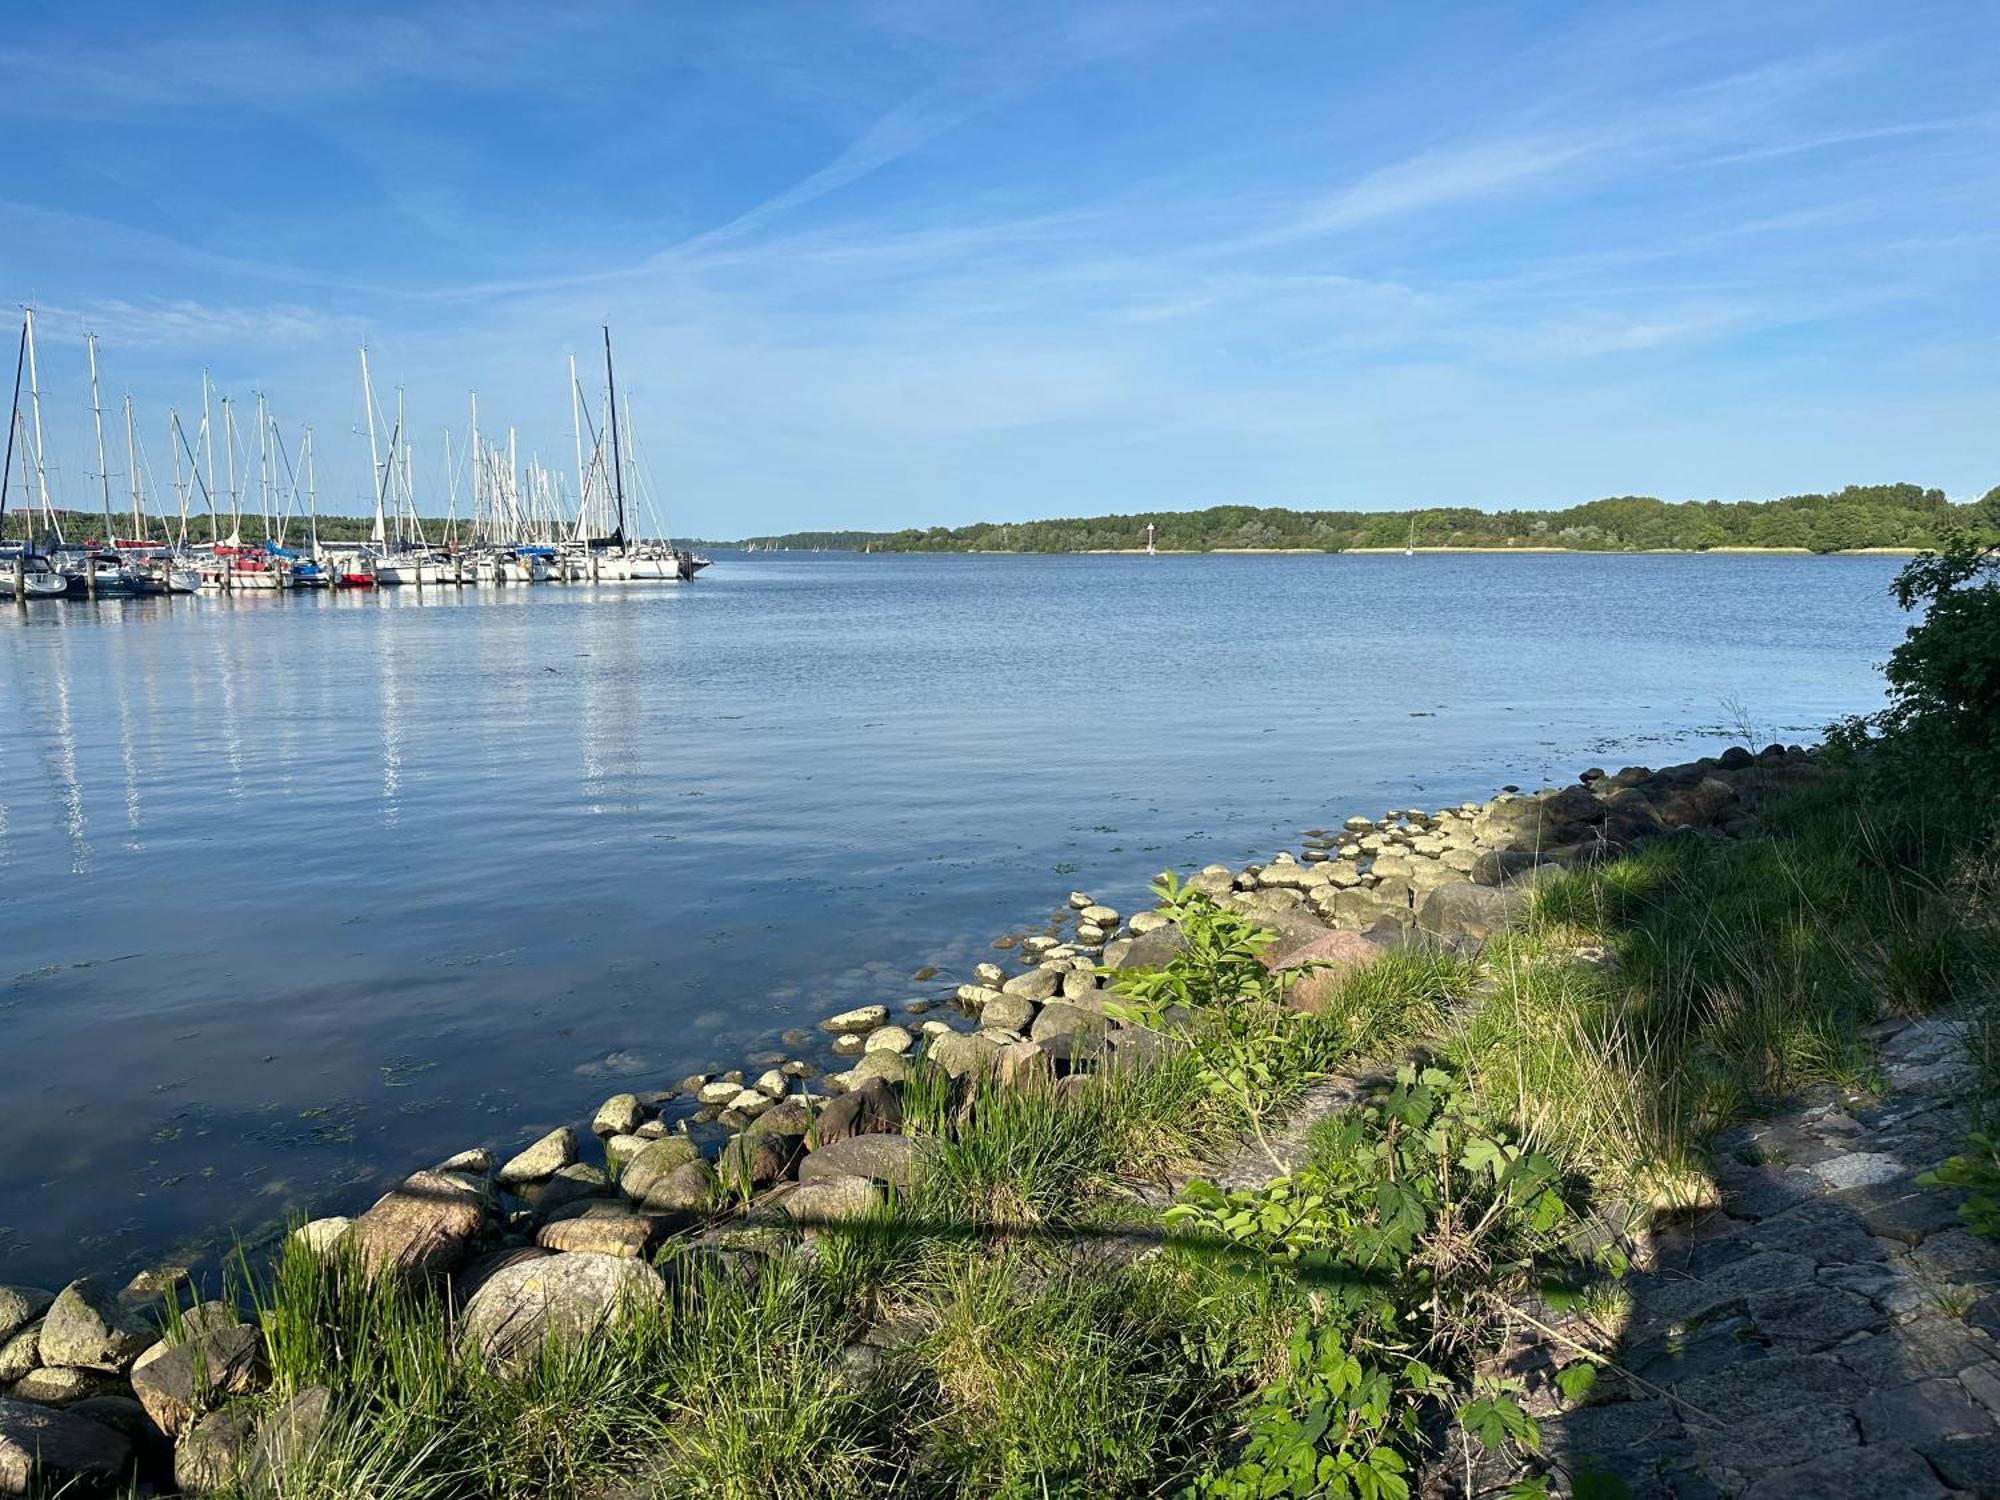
1412,1218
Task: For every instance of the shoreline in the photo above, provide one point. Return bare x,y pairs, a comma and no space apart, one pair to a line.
819,1129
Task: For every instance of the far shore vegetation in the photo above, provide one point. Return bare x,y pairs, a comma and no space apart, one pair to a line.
1859,517
1885,517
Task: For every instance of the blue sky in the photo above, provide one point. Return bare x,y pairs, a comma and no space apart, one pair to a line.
912,262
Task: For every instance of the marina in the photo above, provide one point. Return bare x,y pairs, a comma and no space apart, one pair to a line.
523,523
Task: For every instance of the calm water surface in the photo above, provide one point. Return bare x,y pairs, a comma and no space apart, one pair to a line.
296,892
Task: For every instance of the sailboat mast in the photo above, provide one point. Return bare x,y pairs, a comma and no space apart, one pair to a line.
375,469
132,463
208,455
264,463
13,421
41,459
312,496
478,463
617,462
576,430
229,462
97,417
180,485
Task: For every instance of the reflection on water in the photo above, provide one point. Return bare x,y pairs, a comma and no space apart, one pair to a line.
297,889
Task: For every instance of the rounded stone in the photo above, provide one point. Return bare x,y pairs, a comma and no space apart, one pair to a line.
545,1158
560,1297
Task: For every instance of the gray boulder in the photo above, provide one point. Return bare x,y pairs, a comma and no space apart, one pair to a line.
20,1306
1036,984
959,1055
621,1114
87,1326
185,1377
544,1159
1009,1011
1149,950
1058,1018
871,1107
653,1163
565,1297
64,1385
894,1159
287,1434
1465,910
41,1447
831,1199
214,1451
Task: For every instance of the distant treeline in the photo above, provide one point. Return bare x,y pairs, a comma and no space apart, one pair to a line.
1870,515
1874,515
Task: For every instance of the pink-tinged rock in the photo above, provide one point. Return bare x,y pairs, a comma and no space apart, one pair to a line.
423,1228
1327,959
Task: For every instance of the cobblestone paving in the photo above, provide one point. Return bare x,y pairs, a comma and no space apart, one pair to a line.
1830,1332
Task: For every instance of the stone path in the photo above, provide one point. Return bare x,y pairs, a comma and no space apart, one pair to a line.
1830,1332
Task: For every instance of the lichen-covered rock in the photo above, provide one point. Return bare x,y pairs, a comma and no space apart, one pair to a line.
20,1306
41,1447
423,1227
63,1385
653,1163
544,1159
618,1115
87,1326
832,1200
21,1353
212,1452
600,1229
894,1159
566,1297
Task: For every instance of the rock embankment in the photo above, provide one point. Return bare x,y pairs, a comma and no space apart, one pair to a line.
547,1241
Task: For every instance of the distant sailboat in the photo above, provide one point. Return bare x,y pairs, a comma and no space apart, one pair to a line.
1410,548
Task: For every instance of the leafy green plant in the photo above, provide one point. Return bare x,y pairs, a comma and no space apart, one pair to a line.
1412,1215
1977,1171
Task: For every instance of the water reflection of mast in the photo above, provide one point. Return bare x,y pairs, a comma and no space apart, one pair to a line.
392,723
128,751
69,792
